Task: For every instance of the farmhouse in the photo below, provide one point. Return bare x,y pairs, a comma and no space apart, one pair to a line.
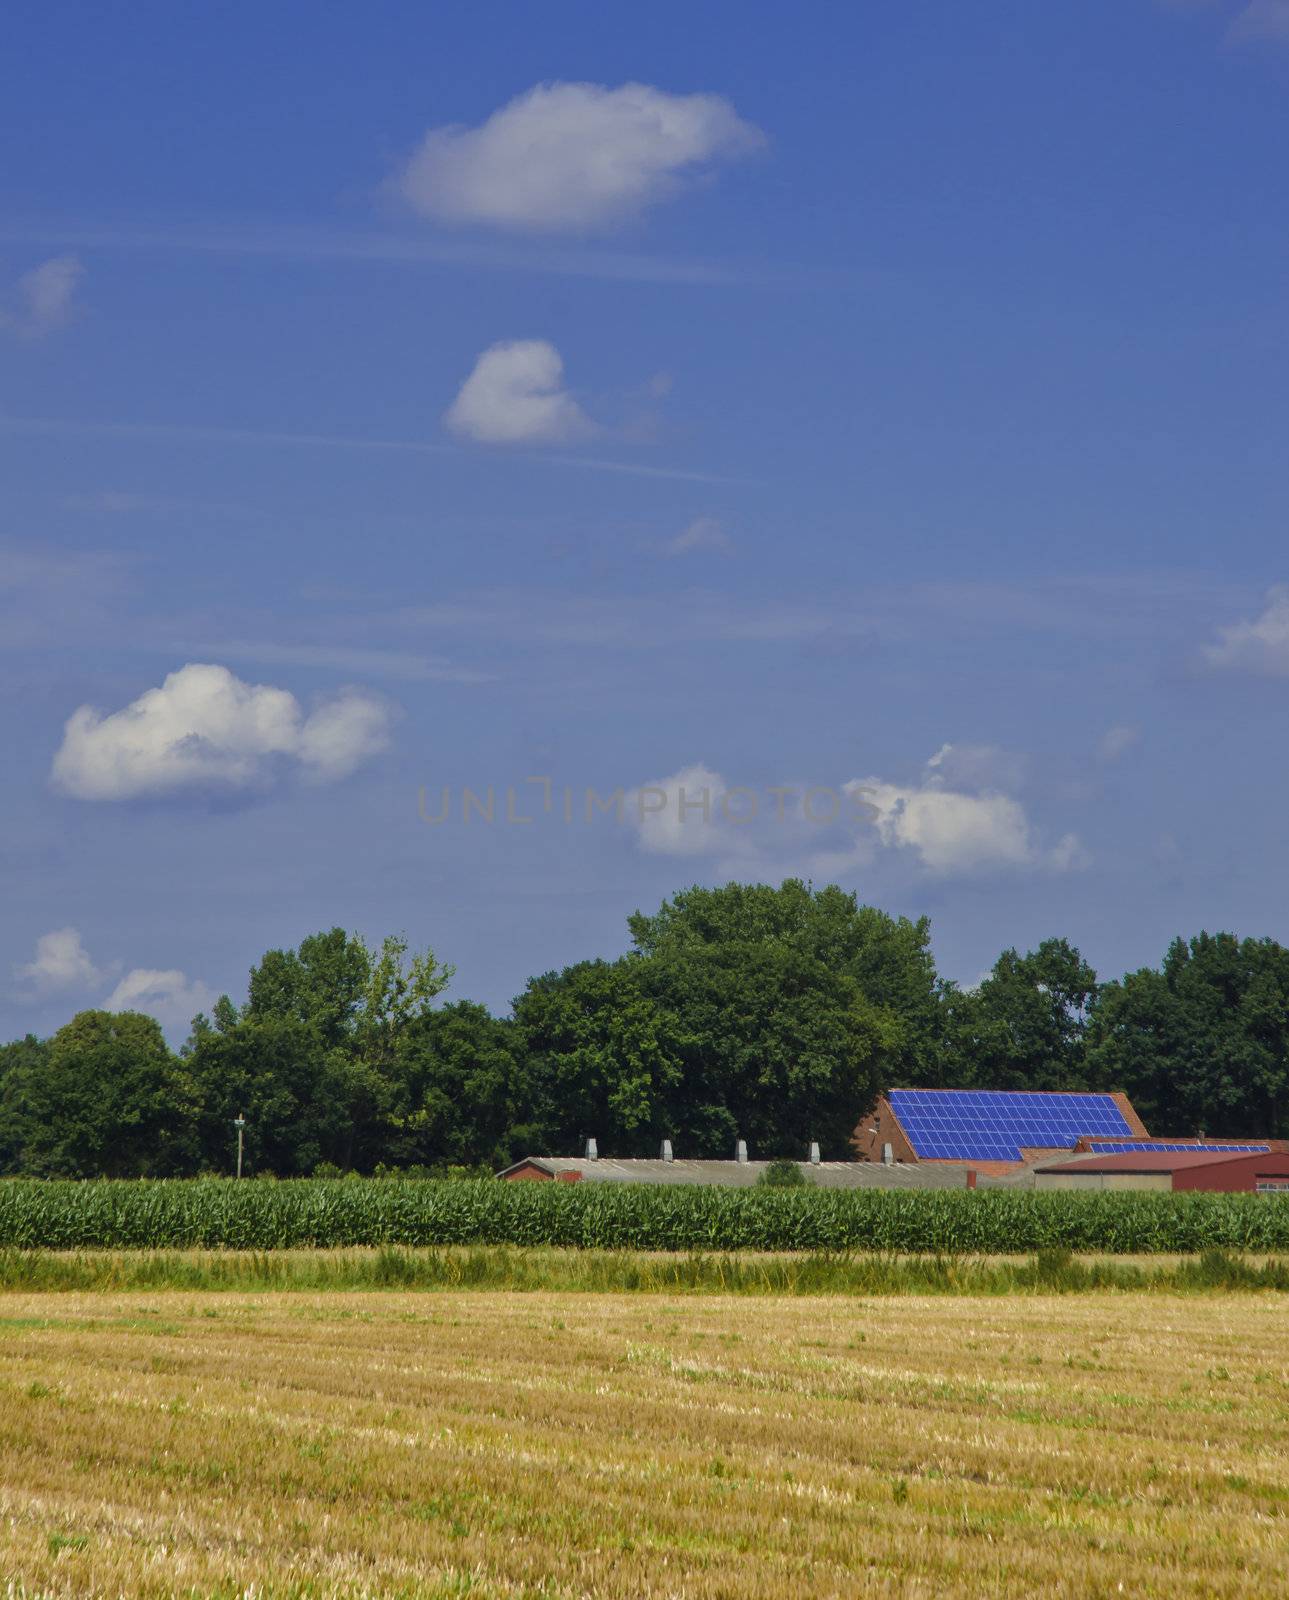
1260,1172
995,1132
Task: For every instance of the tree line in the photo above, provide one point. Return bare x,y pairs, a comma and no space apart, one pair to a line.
772,1014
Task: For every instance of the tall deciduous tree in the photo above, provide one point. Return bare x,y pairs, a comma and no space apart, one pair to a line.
776,1014
20,1062
466,1096
1203,1044
1025,1026
109,1099
314,1056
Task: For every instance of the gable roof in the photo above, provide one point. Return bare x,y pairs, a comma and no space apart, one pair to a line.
999,1124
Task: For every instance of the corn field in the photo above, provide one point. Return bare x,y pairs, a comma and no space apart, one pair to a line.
259,1215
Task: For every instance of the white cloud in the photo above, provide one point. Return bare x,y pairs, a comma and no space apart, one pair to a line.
955,819
1263,19
515,395
1116,742
61,962
952,830
171,996
44,298
680,815
703,533
1260,646
206,728
788,829
978,766
572,156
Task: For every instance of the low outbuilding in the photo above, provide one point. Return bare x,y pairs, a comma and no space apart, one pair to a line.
1260,1172
731,1174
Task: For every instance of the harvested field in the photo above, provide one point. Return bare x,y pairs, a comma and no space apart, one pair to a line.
496,1443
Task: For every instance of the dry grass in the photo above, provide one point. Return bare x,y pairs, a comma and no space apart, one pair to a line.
490,1444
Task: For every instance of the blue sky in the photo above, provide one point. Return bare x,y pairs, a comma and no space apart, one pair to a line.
888,403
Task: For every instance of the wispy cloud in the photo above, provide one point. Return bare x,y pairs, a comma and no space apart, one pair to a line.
61,963
57,427
46,597
702,534
1116,743
403,664
1263,19
1250,20
1259,645
42,299
252,239
171,996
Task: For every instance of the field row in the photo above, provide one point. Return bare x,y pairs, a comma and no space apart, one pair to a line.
309,1213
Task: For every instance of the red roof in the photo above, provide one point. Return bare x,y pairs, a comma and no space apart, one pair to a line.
1162,1161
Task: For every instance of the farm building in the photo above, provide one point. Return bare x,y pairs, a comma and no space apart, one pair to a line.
1264,1172
739,1174
996,1132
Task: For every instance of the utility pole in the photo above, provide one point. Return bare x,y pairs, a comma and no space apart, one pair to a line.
239,1122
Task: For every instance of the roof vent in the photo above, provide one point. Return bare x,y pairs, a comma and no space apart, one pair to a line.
814,1154
592,1150
666,1150
740,1151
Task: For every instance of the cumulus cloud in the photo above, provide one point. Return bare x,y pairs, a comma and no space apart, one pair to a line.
703,533
954,819
572,156
61,962
44,298
951,829
679,815
172,997
1260,645
205,728
775,830
516,395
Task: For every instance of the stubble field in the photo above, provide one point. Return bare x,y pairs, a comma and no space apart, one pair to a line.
504,1444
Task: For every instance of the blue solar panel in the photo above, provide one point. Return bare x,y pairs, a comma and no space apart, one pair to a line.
1111,1147
993,1125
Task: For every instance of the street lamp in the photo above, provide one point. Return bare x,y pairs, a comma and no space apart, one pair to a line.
239,1122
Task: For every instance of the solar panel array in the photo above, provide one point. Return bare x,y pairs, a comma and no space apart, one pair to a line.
1128,1147
993,1125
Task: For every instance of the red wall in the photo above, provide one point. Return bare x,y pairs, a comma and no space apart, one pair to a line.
1238,1174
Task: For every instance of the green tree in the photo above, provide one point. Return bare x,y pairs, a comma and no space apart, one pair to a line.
315,1053
774,1014
293,1093
466,1097
1025,1027
775,1045
1201,1045
889,958
20,1062
322,984
109,1099
601,1056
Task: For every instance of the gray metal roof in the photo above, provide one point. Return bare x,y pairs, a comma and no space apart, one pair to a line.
743,1174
